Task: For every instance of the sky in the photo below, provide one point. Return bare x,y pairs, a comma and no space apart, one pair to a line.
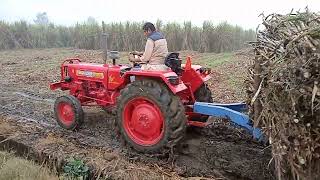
67,12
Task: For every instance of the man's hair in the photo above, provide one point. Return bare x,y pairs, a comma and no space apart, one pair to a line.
147,26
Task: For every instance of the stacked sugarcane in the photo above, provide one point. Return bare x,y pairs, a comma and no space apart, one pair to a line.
284,91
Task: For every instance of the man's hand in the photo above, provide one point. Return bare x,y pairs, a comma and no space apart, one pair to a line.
133,59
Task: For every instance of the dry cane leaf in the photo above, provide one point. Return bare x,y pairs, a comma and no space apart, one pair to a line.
287,51
314,92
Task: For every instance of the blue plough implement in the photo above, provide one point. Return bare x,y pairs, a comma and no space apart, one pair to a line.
234,112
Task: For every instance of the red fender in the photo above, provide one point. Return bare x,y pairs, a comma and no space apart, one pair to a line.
163,75
192,76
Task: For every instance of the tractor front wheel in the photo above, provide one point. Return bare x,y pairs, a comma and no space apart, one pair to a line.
150,117
68,112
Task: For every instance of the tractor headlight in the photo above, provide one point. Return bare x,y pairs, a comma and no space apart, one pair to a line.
174,80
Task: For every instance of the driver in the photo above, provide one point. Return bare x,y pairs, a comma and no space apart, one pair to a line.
155,51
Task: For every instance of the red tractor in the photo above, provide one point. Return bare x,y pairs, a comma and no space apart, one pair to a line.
153,107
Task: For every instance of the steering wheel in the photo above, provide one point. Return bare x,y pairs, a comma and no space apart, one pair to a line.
71,60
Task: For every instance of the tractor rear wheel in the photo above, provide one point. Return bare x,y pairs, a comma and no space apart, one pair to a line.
203,94
68,112
150,118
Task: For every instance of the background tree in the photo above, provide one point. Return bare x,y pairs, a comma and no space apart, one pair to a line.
122,36
42,19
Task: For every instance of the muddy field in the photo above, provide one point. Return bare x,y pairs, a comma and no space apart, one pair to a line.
219,151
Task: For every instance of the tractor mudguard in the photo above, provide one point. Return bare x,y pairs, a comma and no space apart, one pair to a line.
194,78
194,75
160,75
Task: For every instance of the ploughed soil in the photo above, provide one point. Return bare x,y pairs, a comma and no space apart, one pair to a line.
219,151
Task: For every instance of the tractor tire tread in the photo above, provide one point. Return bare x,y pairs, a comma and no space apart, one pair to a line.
203,94
170,105
77,108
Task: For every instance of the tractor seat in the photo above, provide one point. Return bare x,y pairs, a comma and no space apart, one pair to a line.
174,62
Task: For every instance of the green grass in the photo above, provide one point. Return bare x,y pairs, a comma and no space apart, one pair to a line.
15,168
232,75
214,60
236,80
75,169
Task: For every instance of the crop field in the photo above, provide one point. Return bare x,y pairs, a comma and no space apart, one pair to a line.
28,126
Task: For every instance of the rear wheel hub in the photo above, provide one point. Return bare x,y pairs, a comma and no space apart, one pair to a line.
143,121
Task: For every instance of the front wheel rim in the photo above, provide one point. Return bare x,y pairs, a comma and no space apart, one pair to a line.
66,114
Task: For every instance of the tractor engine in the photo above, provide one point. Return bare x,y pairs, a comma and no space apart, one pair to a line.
94,89
92,84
